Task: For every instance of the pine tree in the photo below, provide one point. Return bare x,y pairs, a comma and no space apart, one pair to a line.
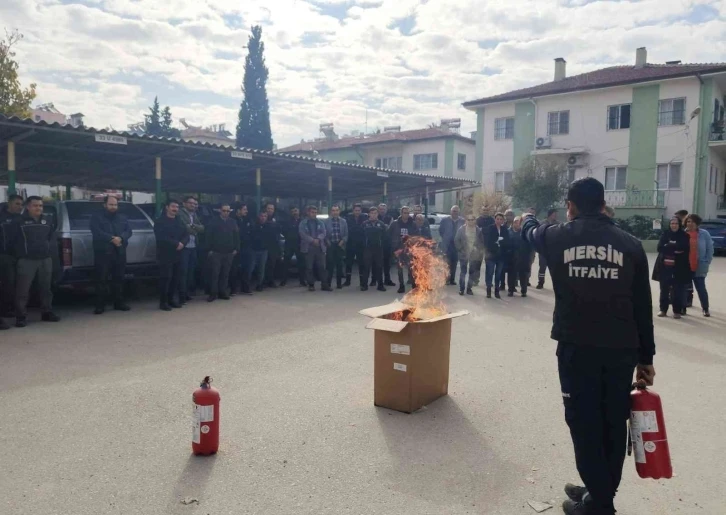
14,100
253,128
167,129
152,125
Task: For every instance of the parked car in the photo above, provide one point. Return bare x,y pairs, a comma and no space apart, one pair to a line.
434,222
75,243
716,227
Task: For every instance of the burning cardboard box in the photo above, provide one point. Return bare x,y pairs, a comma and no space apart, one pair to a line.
411,357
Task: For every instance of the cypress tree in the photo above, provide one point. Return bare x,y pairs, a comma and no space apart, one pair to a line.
253,128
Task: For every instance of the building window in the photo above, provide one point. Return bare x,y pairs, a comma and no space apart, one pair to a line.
616,178
504,128
502,181
425,161
672,111
391,163
461,162
669,176
619,117
558,122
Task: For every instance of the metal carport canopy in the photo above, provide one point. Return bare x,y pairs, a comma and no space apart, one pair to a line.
99,159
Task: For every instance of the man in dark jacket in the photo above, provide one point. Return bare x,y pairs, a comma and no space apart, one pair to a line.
387,219
259,234
273,233
550,220
291,232
374,231
171,237
243,260
401,229
31,240
496,245
9,215
355,245
422,228
222,246
189,254
313,245
111,233
520,259
603,323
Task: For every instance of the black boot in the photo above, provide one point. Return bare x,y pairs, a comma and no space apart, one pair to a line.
49,316
402,289
574,492
540,285
489,293
3,325
347,280
571,507
496,294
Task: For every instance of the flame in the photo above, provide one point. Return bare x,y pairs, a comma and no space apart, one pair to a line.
430,271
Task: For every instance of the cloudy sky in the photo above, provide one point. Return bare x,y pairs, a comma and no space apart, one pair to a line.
408,62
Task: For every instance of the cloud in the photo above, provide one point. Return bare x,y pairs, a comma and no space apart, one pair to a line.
396,62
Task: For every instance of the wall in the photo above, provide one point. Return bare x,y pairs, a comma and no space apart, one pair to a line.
49,117
676,141
711,199
497,154
588,129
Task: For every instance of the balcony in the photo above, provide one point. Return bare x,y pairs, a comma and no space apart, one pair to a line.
721,203
717,131
635,198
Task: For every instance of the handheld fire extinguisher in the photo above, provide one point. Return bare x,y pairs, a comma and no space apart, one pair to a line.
205,433
647,435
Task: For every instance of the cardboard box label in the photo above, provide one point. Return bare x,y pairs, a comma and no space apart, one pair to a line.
399,366
400,349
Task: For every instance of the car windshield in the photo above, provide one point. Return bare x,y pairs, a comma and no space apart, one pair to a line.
80,213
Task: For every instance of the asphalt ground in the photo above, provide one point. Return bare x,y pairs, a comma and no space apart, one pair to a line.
96,412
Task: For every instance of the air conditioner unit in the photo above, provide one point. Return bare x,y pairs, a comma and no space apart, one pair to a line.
576,161
544,142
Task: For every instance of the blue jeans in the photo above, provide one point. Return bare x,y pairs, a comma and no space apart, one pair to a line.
700,285
258,262
493,272
187,272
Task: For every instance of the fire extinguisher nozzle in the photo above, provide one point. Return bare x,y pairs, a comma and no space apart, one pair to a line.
206,382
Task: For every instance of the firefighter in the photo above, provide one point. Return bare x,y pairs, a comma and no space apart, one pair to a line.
603,323
374,232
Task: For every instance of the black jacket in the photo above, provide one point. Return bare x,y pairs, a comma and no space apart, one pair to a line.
105,226
600,278
424,231
355,229
244,225
30,238
291,232
258,236
676,246
6,222
374,232
272,232
520,256
169,232
222,236
493,246
399,229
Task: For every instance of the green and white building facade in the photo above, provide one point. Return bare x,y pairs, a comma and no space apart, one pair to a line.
432,151
653,134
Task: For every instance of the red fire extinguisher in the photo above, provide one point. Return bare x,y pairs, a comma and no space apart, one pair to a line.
647,435
205,434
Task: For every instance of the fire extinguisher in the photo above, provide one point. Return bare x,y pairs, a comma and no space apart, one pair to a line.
647,436
205,434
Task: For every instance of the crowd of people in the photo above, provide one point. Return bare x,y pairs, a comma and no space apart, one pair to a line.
685,252
234,253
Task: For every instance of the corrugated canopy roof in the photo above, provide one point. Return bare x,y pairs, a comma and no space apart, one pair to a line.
60,154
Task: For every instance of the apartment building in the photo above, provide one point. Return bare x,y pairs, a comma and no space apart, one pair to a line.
432,151
653,134
48,113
